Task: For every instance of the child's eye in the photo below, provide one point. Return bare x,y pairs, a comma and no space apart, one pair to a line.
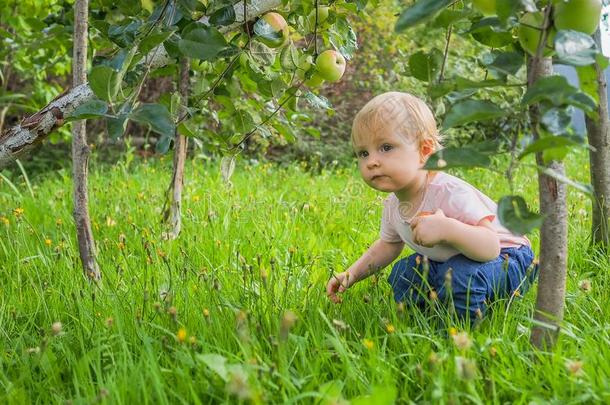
386,147
362,154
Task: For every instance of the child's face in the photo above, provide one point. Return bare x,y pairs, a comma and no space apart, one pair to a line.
390,162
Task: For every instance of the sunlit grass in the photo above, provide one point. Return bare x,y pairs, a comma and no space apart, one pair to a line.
236,308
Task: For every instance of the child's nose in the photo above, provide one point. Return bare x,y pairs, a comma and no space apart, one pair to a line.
372,162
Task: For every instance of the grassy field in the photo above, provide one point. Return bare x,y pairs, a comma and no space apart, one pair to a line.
235,309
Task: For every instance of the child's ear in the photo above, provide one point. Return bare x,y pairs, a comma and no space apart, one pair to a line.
426,148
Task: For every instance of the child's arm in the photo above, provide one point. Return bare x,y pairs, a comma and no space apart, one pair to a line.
378,256
477,242
480,242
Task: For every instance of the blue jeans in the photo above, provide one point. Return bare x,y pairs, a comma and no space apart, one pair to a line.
469,284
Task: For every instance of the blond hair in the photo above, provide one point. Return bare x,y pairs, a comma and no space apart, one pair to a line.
405,114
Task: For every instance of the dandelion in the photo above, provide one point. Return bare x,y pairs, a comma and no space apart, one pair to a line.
462,341
452,331
206,312
340,325
368,343
465,369
5,221
574,367
17,212
238,385
288,320
585,286
390,328
181,335
48,242
173,312
56,328
433,359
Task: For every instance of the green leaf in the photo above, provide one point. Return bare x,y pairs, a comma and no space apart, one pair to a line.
151,41
553,88
587,79
156,116
285,131
516,217
289,57
104,82
204,43
505,63
575,48
471,110
551,142
421,11
451,157
90,109
380,395
424,66
223,16
343,38
448,17
557,120
488,32
243,121
317,101
116,126
216,363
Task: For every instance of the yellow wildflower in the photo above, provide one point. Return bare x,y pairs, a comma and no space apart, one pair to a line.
181,335
368,343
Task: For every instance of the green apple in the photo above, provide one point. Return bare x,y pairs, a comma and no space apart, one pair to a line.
279,35
330,65
578,15
485,7
322,16
315,80
529,37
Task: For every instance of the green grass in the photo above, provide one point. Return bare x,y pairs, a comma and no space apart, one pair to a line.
250,256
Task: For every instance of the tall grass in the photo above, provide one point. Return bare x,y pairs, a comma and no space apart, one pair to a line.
235,309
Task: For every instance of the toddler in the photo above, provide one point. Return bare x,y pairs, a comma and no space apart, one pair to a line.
463,255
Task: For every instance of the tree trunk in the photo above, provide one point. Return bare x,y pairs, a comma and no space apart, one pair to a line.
599,161
80,149
23,137
553,233
181,145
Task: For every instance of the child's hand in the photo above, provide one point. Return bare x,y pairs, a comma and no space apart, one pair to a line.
428,230
337,283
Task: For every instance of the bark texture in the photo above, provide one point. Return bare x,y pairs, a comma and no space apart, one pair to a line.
32,130
599,161
550,300
80,149
181,145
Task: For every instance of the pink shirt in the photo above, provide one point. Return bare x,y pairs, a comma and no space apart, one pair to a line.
458,200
